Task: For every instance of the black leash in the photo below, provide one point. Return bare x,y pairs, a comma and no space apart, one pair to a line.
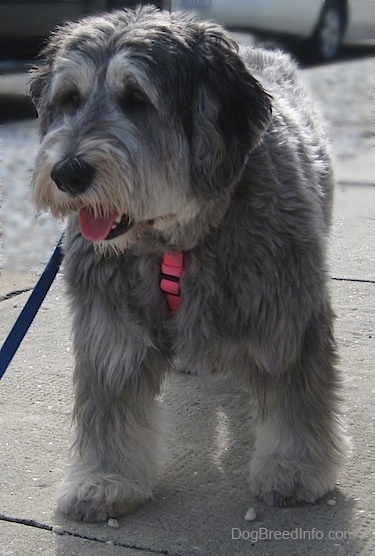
29,311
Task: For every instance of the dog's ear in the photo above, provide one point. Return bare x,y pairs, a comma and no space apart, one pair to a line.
38,91
231,111
40,82
39,79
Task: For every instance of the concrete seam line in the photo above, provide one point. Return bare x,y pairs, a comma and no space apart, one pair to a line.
44,526
14,294
361,280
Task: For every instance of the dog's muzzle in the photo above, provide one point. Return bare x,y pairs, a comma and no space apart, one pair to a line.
72,175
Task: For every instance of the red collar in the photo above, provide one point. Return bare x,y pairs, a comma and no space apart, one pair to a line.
172,267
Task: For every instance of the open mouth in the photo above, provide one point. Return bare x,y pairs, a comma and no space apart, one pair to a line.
102,228
120,226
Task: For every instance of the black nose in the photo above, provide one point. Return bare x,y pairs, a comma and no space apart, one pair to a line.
72,175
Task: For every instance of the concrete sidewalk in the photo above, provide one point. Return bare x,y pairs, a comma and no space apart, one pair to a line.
202,498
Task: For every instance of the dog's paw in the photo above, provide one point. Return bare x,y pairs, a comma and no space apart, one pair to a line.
98,498
286,483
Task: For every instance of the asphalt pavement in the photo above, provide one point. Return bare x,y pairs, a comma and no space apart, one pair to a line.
201,500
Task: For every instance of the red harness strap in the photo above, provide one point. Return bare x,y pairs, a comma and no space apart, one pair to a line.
172,267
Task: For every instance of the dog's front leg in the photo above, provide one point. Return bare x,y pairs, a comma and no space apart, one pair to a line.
117,451
116,454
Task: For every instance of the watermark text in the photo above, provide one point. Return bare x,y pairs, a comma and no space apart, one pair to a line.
264,534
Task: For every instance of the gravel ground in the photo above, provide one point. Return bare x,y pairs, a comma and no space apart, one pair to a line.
27,238
344,92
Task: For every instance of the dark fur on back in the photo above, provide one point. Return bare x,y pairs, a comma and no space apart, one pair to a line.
225,159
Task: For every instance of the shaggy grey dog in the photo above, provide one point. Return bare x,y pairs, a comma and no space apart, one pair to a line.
159,135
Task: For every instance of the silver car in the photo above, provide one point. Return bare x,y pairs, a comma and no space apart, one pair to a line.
323,25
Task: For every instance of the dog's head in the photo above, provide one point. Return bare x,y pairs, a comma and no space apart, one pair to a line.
145,117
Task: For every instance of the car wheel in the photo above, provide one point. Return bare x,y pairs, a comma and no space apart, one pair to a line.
325,43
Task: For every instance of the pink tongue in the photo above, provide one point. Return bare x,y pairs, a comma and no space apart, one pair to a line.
93,227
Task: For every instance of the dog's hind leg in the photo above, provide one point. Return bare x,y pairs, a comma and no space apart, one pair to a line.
299,440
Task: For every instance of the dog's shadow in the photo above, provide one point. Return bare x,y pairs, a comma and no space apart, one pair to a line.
201,500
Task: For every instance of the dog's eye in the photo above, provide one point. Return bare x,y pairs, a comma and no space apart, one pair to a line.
132,99
70,100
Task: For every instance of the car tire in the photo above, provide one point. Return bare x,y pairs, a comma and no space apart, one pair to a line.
325,42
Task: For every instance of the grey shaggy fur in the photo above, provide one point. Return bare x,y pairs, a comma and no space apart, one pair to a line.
215,151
